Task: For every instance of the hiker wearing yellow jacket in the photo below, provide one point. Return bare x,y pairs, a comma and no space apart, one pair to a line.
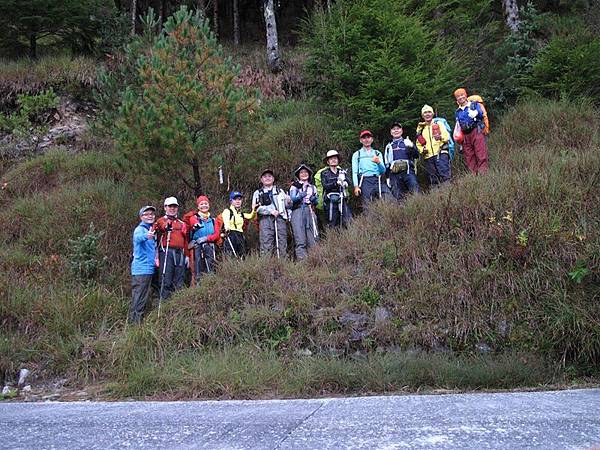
432,143
234,224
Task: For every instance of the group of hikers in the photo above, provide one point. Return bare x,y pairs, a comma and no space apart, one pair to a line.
172,244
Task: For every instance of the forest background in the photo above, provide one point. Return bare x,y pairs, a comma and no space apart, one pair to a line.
491,282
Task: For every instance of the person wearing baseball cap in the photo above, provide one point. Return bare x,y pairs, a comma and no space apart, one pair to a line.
400,155
332,185
142,264
367,170
204,234
433,144
172,238
235,223
272,206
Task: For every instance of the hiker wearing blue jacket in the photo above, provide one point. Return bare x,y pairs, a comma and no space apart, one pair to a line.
400,155
143,263
367,171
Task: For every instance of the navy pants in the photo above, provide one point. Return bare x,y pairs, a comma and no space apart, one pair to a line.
204,259
438,168
371,187
402,183
174,272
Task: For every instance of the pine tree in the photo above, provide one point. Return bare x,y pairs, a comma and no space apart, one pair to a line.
189,103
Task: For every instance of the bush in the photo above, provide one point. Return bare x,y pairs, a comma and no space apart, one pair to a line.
568,66
377,64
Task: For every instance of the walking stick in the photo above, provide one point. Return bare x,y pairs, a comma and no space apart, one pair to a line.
231,245
276,237
162,281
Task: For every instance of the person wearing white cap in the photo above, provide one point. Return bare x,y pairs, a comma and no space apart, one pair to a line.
332,185
142,264
432,143
172,238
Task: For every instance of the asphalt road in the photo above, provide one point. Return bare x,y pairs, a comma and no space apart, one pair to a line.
561,420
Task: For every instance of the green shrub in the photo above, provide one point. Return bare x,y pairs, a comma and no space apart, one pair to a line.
568,66
84,261
375,63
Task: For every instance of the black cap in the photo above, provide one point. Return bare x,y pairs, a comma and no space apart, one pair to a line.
396,124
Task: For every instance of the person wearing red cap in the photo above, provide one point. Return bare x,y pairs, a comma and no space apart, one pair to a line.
367,169
204,234
470,118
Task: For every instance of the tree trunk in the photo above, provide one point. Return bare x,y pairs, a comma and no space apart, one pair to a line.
163,12
216,17
33,45
273,58
197,181
511,13
133,16
201,6
236,23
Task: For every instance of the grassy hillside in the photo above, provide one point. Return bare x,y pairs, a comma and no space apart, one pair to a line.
490,282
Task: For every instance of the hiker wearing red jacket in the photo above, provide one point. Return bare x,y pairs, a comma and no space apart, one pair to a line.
172,241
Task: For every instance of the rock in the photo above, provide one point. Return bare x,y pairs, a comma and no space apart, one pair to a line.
351,318
482,347
303,352
503,328
6,390
27,388
23,374
382,314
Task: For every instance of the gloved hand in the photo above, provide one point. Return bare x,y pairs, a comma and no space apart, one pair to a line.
341,178
376,159
196,226
357,191
472,113
408,142
169,227
314,199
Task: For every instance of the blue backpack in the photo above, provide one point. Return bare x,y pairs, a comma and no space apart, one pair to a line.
441,120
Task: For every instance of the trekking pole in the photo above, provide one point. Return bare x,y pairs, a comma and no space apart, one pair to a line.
205,258
314,223
231,246
379,184
162,281
276,237
341,205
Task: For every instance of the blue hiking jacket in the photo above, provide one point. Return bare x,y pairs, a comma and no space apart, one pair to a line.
467,124
143,251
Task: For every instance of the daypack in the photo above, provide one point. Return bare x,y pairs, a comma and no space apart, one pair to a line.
319,185
486,122
441,120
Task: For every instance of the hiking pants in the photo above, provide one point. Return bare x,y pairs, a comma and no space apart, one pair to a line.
370,189
438,169
304,223
140,294
402,183
204,259
237,240
174,272
332,210
266,235
476,152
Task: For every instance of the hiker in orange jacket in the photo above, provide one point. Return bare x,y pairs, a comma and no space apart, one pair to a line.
172,241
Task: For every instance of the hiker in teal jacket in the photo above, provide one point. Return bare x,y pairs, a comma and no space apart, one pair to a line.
367,171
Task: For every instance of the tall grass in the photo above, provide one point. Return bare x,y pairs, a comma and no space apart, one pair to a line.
508,262
65,74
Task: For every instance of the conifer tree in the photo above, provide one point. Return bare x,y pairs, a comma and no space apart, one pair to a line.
189,103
